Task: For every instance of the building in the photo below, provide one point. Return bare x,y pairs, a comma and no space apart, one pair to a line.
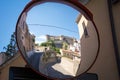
3,58
25,36
26,40
41,48
16,61
88,42
106,17
59,40
75,47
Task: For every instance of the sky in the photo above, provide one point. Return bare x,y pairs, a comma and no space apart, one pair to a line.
43,14
54,19
9,13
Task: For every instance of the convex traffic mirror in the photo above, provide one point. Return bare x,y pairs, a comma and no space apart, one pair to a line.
57,38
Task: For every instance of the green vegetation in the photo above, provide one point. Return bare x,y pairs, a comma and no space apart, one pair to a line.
65,46
36,44
11,48
51,44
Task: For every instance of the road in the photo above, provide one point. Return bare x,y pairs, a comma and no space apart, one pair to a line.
35,59
62,68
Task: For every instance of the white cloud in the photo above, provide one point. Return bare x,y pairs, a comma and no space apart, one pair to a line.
43,37
40,39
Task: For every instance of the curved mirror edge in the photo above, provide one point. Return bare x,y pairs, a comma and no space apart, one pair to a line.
87,36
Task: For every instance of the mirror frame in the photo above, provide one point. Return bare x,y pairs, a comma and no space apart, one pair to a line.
72,3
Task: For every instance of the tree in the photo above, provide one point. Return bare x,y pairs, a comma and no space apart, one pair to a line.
36,44
43,44
65,45
51,44
11,48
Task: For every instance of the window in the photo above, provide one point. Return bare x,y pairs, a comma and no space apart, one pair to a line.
22,37
24,73
85,30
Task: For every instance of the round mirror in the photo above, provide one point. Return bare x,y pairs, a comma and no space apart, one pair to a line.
57,39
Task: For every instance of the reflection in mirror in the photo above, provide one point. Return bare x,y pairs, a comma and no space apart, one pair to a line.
57,40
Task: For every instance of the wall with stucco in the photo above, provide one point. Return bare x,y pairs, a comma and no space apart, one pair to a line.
88,43
16,61
116,16
105,66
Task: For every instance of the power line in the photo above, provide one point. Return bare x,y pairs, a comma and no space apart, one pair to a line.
54,27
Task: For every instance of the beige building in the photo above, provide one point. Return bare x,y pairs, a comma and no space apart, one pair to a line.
58,40
3,58
24,35
88,42
106,65
41,48
16,60
27,40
